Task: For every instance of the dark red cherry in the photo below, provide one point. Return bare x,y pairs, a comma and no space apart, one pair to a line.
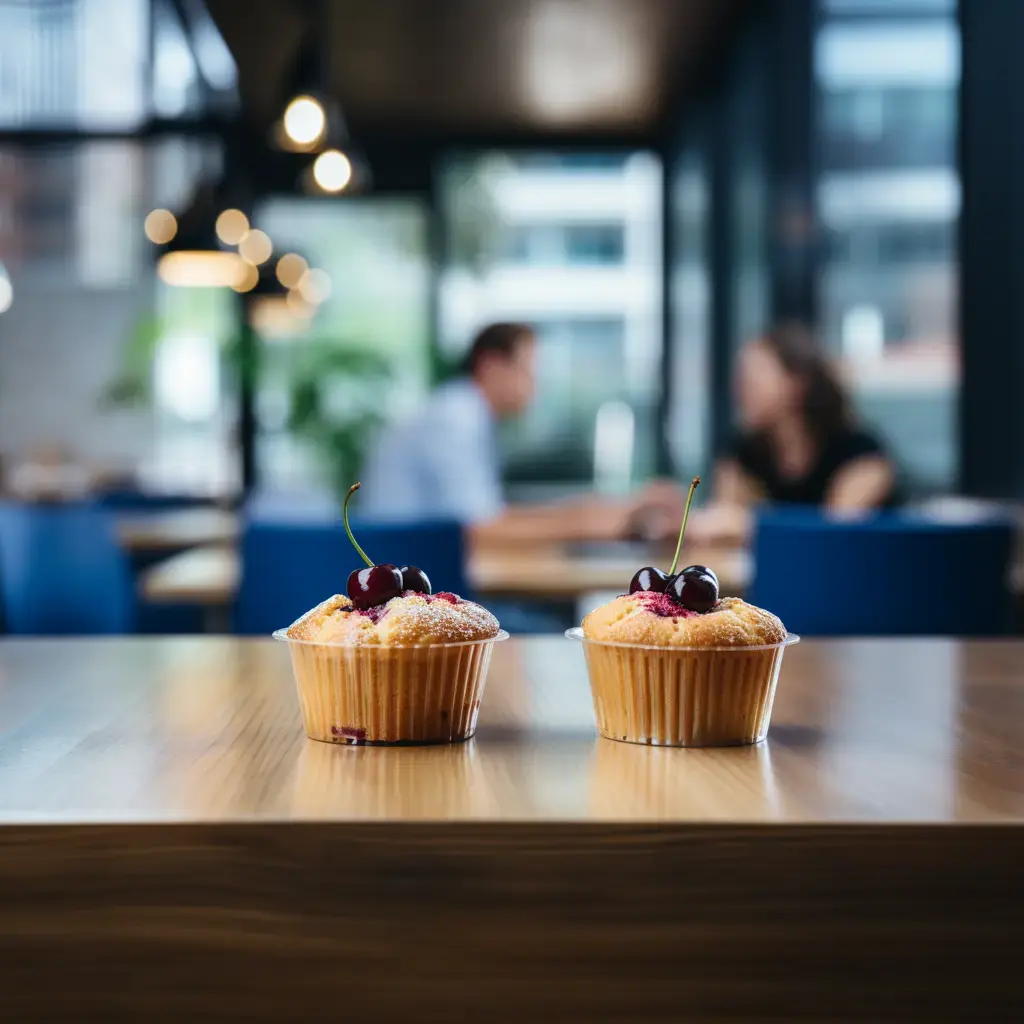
374,585
696,592
701,570
649,579
415,579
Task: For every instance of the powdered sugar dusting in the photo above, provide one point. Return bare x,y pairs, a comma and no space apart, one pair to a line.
408,621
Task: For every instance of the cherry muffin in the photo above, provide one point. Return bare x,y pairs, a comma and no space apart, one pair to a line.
391,662
673,664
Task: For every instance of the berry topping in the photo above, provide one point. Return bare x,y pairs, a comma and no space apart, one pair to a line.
649,580
376,584
414,579
662,605
699,570
696,592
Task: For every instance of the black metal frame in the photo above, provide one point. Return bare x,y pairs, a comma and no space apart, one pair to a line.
991,250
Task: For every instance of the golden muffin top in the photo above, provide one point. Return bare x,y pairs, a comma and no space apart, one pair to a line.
412,620
652,618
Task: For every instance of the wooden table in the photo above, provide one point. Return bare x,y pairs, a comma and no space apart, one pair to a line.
209,576
172,847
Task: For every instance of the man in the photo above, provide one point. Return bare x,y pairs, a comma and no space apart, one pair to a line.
443,462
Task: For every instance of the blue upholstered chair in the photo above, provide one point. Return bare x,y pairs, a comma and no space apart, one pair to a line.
62,571
287,567
884,575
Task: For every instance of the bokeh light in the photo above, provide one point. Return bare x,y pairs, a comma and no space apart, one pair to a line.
315,286
249,280
332,170
199,269
6,290
255,247
290,268
231,226
160,226
304,120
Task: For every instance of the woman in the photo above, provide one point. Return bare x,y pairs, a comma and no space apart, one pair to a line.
799,443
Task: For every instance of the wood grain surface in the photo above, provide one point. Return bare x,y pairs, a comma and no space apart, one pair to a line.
194,729
172,848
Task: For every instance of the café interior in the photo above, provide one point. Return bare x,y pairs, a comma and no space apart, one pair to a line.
524,269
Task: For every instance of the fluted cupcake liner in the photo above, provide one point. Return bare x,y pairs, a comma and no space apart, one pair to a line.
682,697
387,695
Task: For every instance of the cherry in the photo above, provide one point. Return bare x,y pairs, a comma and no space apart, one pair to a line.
415,579
376,584
649,579
695,588
696,592
700,570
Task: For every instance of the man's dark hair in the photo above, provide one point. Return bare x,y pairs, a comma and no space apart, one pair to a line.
498,339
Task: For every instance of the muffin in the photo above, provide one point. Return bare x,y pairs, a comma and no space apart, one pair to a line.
673,664
392,662
410,670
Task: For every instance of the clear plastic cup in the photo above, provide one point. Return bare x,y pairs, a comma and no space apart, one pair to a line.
390,695
682,696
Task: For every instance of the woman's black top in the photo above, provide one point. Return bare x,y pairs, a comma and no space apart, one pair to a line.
754,455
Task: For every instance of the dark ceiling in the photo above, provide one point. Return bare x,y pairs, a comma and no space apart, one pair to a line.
444,67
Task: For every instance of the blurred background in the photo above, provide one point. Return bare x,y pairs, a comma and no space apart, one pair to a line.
238,241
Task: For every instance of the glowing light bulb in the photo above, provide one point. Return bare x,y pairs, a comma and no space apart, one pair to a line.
332,170
200,269
304,120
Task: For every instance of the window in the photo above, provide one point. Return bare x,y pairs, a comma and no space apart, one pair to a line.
82,326
78,62
888,201
84,63
571,244
687,428
556,245
360,355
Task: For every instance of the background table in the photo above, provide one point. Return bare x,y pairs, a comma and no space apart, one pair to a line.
210,575
171,845
175,529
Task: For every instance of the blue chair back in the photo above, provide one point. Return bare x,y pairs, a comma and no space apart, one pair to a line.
62,572
131,500
288,567
886,575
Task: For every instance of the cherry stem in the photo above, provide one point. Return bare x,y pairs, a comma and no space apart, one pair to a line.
348,529
682,529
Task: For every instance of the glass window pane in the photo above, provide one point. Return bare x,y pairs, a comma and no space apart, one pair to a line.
84,338
571,243
691,303
888,201
76,63
362,354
